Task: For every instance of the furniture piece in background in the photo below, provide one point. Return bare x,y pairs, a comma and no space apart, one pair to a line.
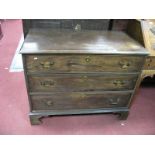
1,31
148,29
76,70
144,32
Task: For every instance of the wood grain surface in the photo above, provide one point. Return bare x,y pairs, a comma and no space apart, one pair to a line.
62,101
82,82
83,63
86,41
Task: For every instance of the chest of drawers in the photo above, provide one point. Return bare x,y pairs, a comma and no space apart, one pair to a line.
86,72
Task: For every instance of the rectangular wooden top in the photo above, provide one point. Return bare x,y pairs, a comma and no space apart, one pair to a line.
85,41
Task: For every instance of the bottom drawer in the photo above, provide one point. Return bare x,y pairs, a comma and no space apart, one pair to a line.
67,101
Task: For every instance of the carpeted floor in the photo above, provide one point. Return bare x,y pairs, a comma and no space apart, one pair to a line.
14,103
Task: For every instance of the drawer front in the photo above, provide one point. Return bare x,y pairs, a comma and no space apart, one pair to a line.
61,101
150,63
83,63
63,83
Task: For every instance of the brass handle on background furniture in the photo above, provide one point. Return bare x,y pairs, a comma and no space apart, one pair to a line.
149,61
118,83
125,64
47,83
49,103
152,30
47,64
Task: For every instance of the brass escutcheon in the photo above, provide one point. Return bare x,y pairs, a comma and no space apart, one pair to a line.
87,59
49,103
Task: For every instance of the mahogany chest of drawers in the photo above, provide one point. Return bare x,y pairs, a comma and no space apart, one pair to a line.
84,72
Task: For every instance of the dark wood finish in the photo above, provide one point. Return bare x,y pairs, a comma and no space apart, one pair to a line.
135,31
26,26
63,101
123,115
77,71
36,116
35,119
82,82
69,41
1,31
120,24
86,24
83,63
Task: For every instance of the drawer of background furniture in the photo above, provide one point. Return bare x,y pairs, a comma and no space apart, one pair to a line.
64,101
82,82
150,63
83,63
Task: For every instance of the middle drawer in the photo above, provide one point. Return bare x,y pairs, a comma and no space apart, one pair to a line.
82,82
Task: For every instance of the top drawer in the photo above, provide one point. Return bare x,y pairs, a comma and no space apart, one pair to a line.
83,63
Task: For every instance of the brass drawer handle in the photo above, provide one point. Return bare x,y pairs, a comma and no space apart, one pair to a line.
49,103
47,83
114,101
47,64
85,77
83,95
118,83
125,64
77,28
